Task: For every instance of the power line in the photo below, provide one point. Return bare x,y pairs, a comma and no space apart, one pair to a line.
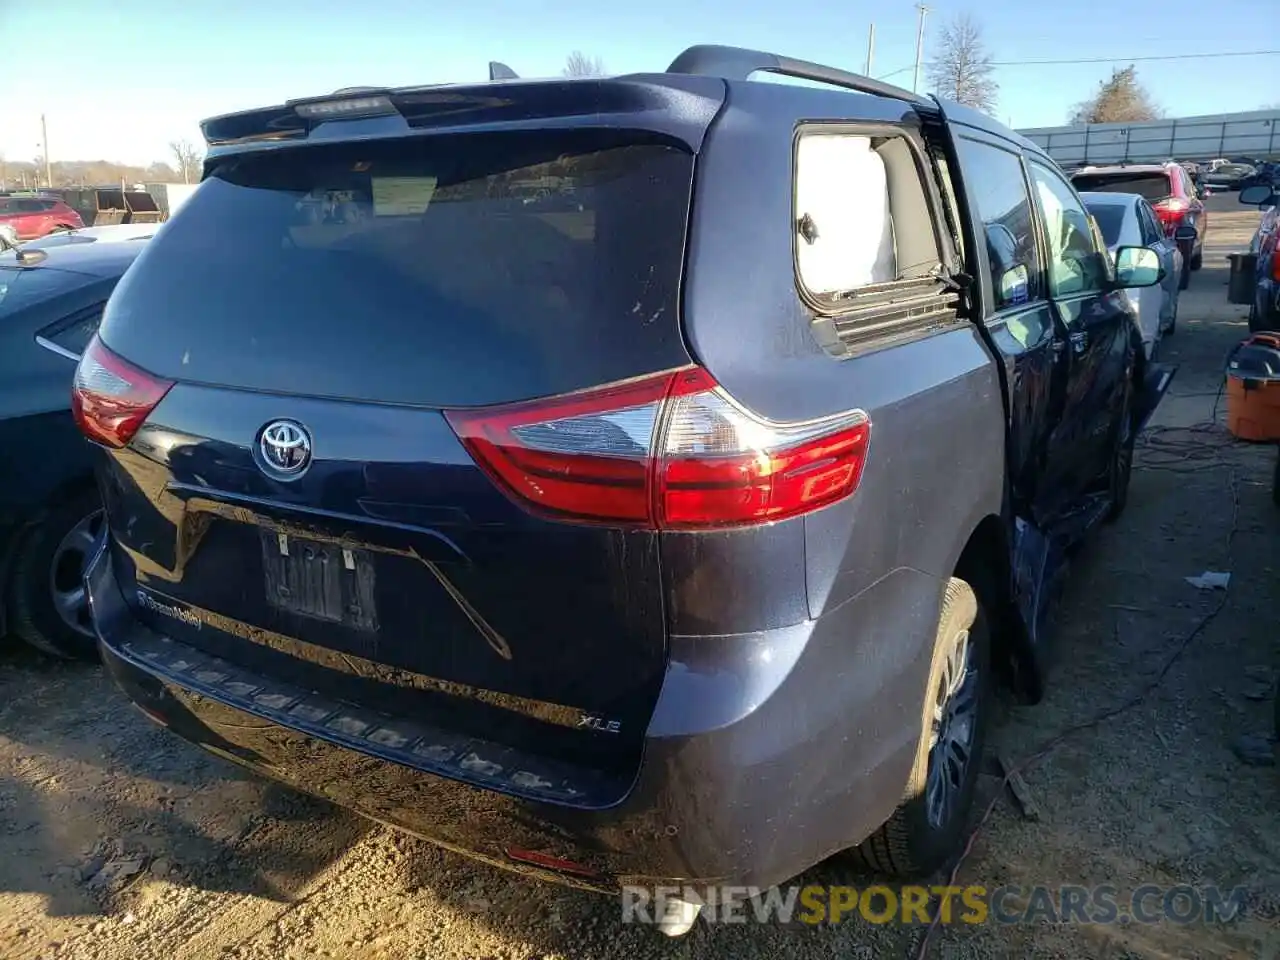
1167,56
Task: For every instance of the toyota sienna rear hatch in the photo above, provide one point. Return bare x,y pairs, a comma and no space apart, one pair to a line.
322,389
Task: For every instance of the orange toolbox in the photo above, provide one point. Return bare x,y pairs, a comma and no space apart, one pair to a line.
1253,388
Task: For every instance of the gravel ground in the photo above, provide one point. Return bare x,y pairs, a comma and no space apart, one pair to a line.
119,841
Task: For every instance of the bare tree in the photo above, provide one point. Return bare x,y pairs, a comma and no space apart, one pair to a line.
578,64
1120,99
961,69
189,159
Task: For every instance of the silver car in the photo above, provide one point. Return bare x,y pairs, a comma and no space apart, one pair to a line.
1127,220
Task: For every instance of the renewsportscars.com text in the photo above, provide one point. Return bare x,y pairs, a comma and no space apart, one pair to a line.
975,904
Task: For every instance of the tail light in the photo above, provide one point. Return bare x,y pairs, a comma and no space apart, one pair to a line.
1275,263
1171,211
673,451
110,398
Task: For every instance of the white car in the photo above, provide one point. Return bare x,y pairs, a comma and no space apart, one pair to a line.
111,233
1127,220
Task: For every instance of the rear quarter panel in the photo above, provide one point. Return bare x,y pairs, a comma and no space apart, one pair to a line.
936,462
868,572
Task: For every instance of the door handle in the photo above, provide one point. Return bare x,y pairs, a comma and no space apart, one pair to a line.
1080,341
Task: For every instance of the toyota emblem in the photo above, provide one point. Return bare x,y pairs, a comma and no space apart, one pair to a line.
285,447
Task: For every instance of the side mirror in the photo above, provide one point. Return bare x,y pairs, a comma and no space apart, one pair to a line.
1185,234
1137,267
1259,195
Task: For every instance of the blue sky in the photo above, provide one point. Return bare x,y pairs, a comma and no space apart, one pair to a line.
119,79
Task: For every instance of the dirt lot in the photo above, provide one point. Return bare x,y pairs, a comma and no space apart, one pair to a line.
119,841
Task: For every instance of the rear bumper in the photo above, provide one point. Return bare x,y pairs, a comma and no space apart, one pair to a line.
747,788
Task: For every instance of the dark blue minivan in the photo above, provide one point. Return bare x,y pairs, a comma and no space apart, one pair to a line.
627,481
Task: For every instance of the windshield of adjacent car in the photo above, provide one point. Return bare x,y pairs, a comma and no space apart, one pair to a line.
1110,217
1149,186
23,286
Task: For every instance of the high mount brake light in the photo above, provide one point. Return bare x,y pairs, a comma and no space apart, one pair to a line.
110,398
672,451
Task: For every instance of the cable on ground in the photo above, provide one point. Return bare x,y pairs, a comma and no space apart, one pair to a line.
1057,739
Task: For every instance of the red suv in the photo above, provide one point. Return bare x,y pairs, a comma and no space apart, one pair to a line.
34,217
1169,190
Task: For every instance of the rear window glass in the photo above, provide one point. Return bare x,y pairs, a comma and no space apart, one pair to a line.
1149,186
1110,217
453,270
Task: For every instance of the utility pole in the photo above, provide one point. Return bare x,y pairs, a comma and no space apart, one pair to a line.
871,48
44,139
915,85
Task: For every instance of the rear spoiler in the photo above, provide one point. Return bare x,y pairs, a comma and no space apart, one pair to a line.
679,106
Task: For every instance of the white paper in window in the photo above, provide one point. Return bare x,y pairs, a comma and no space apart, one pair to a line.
841,184
402,196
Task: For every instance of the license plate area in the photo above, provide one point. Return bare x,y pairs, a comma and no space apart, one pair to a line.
325,581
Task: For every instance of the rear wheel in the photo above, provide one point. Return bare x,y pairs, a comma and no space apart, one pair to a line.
48,601
1197,260
1173,319
926,832
1275,482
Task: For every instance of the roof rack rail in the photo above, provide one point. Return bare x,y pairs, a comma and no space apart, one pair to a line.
738,63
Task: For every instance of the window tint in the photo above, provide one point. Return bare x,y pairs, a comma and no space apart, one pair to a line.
48,204
446,270
1149,186
1110,217
1076,264
74,333
999,191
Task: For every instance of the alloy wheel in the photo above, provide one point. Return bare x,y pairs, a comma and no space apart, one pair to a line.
952,731
66,572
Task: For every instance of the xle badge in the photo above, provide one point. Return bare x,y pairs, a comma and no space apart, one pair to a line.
599,724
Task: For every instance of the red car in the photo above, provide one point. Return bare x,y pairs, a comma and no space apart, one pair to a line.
1172,195
34,217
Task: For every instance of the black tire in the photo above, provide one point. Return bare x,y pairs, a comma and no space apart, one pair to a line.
44,563
1275,482
914,843
1197,260
1120,472
1277,734
1172,328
